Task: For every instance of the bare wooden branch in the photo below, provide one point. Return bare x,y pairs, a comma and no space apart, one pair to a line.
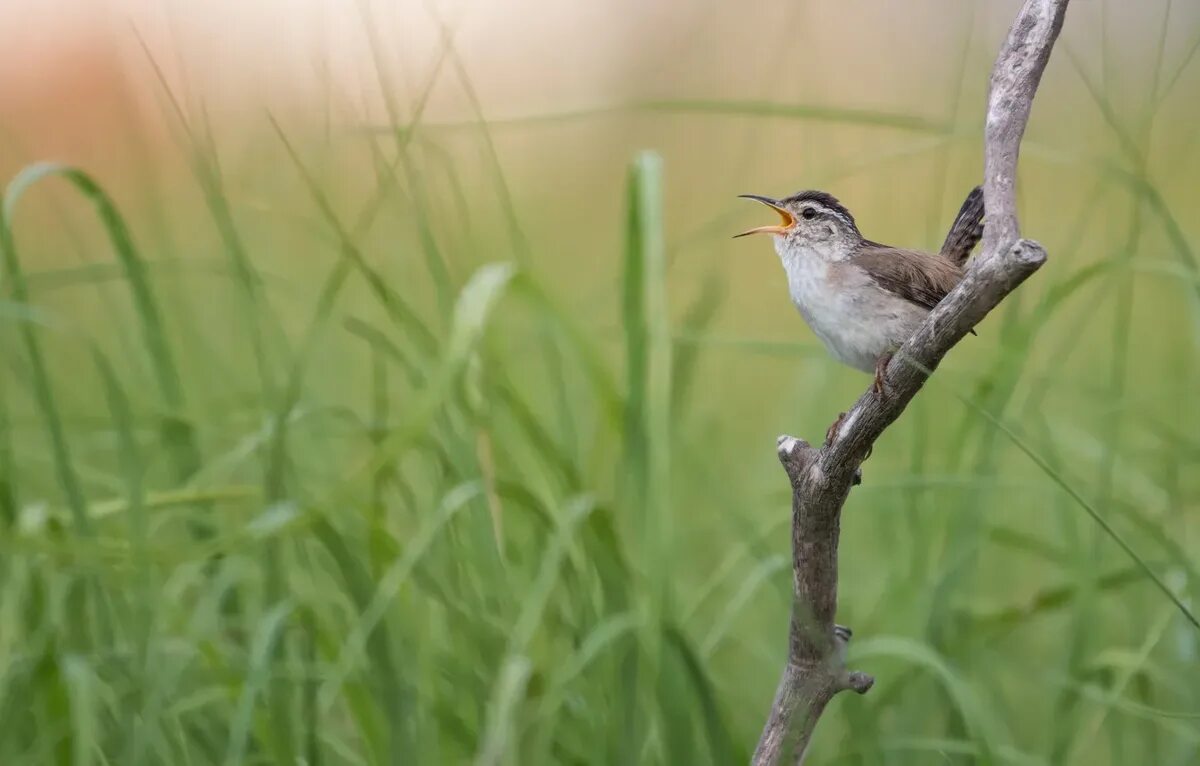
821,478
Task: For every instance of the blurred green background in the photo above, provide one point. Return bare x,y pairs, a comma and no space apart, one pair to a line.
369,394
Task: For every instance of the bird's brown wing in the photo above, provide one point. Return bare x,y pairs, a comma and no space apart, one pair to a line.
922,278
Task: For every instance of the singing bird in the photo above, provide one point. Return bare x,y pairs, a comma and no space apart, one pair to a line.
861,298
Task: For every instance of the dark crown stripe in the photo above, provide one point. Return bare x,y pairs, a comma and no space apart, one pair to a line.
825,200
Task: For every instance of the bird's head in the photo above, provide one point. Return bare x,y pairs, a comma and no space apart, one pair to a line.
809,220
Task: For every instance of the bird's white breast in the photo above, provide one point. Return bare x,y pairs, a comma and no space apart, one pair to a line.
856,320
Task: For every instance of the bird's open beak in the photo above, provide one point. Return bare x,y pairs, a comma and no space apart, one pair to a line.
787,222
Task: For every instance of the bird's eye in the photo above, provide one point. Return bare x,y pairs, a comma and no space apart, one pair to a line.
808,213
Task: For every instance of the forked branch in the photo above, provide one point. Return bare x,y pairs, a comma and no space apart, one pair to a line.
821,478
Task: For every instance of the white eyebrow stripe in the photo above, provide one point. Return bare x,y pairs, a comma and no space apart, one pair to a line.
838,214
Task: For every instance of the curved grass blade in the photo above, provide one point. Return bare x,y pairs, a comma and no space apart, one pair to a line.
392,302
921,655
510,686
390,583
371,719
258,677
165,369
758,576
274,479
581,342
40,377
590,649
1085,736
506,697
132,467
1057,478
176,432
206,168
720,740
471,313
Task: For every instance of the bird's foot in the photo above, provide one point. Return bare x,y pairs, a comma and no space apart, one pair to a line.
831,432
879,387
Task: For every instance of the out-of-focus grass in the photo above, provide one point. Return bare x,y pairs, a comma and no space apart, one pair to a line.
391,471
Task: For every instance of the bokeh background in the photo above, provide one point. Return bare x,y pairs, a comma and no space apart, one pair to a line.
380,384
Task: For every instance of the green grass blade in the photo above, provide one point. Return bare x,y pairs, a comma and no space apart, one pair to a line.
758,577
389,584
85,728
176,430
646,426
471,314
393,302
704,691
258,679
686,355
153,330
8,466
510,685
647,353
40,378
205,165
806,112
375,638
133,469
960,692
496,746
1096,516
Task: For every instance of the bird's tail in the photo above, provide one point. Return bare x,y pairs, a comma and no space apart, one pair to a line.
967,229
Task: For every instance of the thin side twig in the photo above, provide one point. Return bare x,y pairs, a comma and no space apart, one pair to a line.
821,478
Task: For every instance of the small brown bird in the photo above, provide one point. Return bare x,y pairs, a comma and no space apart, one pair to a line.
861,298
